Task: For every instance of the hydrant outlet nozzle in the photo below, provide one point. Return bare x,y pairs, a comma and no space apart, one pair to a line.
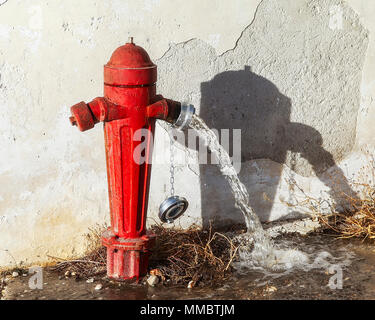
82,116
184,117
177,114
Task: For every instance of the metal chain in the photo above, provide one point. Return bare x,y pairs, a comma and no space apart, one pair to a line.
172,167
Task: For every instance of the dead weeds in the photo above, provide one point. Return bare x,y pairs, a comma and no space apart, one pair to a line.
193,256
189,256
92,264
359,222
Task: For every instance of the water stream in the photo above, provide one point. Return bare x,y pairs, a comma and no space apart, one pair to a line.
257,250
262,249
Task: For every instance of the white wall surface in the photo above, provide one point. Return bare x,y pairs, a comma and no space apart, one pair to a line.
318,55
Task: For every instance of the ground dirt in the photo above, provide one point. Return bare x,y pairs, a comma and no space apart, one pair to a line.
358,280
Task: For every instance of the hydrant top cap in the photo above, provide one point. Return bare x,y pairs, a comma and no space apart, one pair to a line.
130,56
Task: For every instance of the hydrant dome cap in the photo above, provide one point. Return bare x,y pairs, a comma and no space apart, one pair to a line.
130,65
130,56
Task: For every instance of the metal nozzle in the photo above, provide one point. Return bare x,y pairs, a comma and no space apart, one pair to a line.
185,116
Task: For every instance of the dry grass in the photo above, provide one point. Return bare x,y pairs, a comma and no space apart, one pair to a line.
355,217
359,222
2,283
179,256
193,255
93,264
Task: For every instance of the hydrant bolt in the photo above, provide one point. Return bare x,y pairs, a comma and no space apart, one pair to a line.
73,120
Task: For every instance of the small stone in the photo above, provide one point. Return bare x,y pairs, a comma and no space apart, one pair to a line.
98,287
152,280
15,274
271,289
91,280
158,273
24,275
73,274
67,273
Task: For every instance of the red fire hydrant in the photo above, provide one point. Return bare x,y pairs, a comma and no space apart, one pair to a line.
130,103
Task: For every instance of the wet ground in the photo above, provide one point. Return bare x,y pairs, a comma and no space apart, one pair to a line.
348,275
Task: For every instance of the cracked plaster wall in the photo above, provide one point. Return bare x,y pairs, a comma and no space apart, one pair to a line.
303,103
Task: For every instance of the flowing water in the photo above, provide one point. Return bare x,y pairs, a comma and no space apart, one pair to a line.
257,250
262,249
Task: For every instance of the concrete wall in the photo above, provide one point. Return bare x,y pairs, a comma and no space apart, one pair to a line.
298,78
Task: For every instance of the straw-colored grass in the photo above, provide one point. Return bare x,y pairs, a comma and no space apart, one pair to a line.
359,221
179,256
93,264
193,255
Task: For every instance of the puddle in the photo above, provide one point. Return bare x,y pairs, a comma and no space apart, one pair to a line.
357,260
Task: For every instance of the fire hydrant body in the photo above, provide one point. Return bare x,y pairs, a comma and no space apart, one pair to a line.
130,104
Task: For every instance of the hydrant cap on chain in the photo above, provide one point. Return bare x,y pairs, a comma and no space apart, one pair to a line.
129,65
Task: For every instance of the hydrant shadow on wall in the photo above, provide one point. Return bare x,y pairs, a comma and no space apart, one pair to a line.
129,104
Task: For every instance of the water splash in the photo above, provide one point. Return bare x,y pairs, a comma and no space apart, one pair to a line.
257,250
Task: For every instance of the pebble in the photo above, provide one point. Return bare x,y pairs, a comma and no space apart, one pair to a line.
98,287
91,280
152,280
271,289
15,274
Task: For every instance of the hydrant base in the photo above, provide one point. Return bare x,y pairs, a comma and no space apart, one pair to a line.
127,258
